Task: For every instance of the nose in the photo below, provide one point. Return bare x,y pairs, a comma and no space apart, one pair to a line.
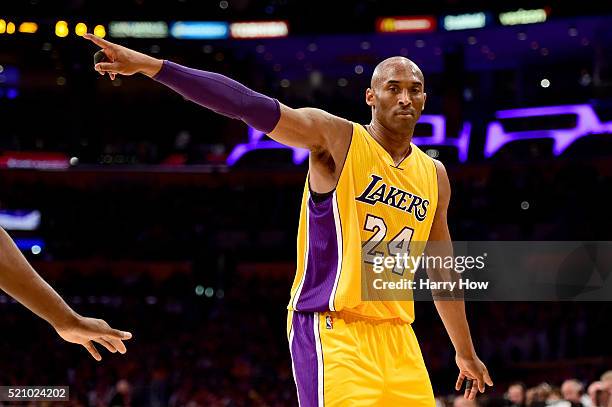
404,98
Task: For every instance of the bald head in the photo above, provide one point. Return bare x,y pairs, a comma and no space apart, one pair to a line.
396,96
392,68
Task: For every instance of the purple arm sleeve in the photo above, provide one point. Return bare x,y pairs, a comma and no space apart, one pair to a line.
221,94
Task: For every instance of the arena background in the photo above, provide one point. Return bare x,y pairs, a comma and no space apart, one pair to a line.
123,197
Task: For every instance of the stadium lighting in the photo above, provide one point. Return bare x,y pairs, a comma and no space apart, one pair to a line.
2,26
439,138
30,244
28,27
199,30
34,160
406,24
10,28
587,123
259,29
521,16
80,29
100,31
465,21
20,219
256,143
61,29
138,29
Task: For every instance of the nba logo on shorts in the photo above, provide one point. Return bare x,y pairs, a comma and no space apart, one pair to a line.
329,322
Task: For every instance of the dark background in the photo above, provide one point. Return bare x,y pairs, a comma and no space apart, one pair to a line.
154,233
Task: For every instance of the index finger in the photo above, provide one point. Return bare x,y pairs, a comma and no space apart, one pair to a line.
101,42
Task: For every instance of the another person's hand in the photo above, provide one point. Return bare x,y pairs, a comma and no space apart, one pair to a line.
472,369
122,60
84,331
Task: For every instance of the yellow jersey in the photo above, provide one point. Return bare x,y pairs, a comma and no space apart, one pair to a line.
377,208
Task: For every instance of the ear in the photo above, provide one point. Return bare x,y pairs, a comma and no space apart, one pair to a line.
424,100
369,97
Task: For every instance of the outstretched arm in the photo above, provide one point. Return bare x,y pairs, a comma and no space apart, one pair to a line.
324,134
452,311
20,280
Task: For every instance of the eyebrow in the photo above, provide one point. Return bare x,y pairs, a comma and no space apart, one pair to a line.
396,82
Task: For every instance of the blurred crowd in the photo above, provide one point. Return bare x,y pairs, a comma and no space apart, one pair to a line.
187,350
214,334
249,215
229,347
571,393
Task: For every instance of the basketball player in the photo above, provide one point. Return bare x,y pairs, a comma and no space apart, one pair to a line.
364,182
20,280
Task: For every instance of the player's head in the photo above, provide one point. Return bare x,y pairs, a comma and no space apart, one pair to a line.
397,94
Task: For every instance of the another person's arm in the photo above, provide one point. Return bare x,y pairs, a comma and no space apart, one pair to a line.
20,281
452,311
324,134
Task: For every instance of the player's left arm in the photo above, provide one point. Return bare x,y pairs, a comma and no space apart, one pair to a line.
22,282
452,311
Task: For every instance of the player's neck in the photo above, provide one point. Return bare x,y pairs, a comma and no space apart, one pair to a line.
396,144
